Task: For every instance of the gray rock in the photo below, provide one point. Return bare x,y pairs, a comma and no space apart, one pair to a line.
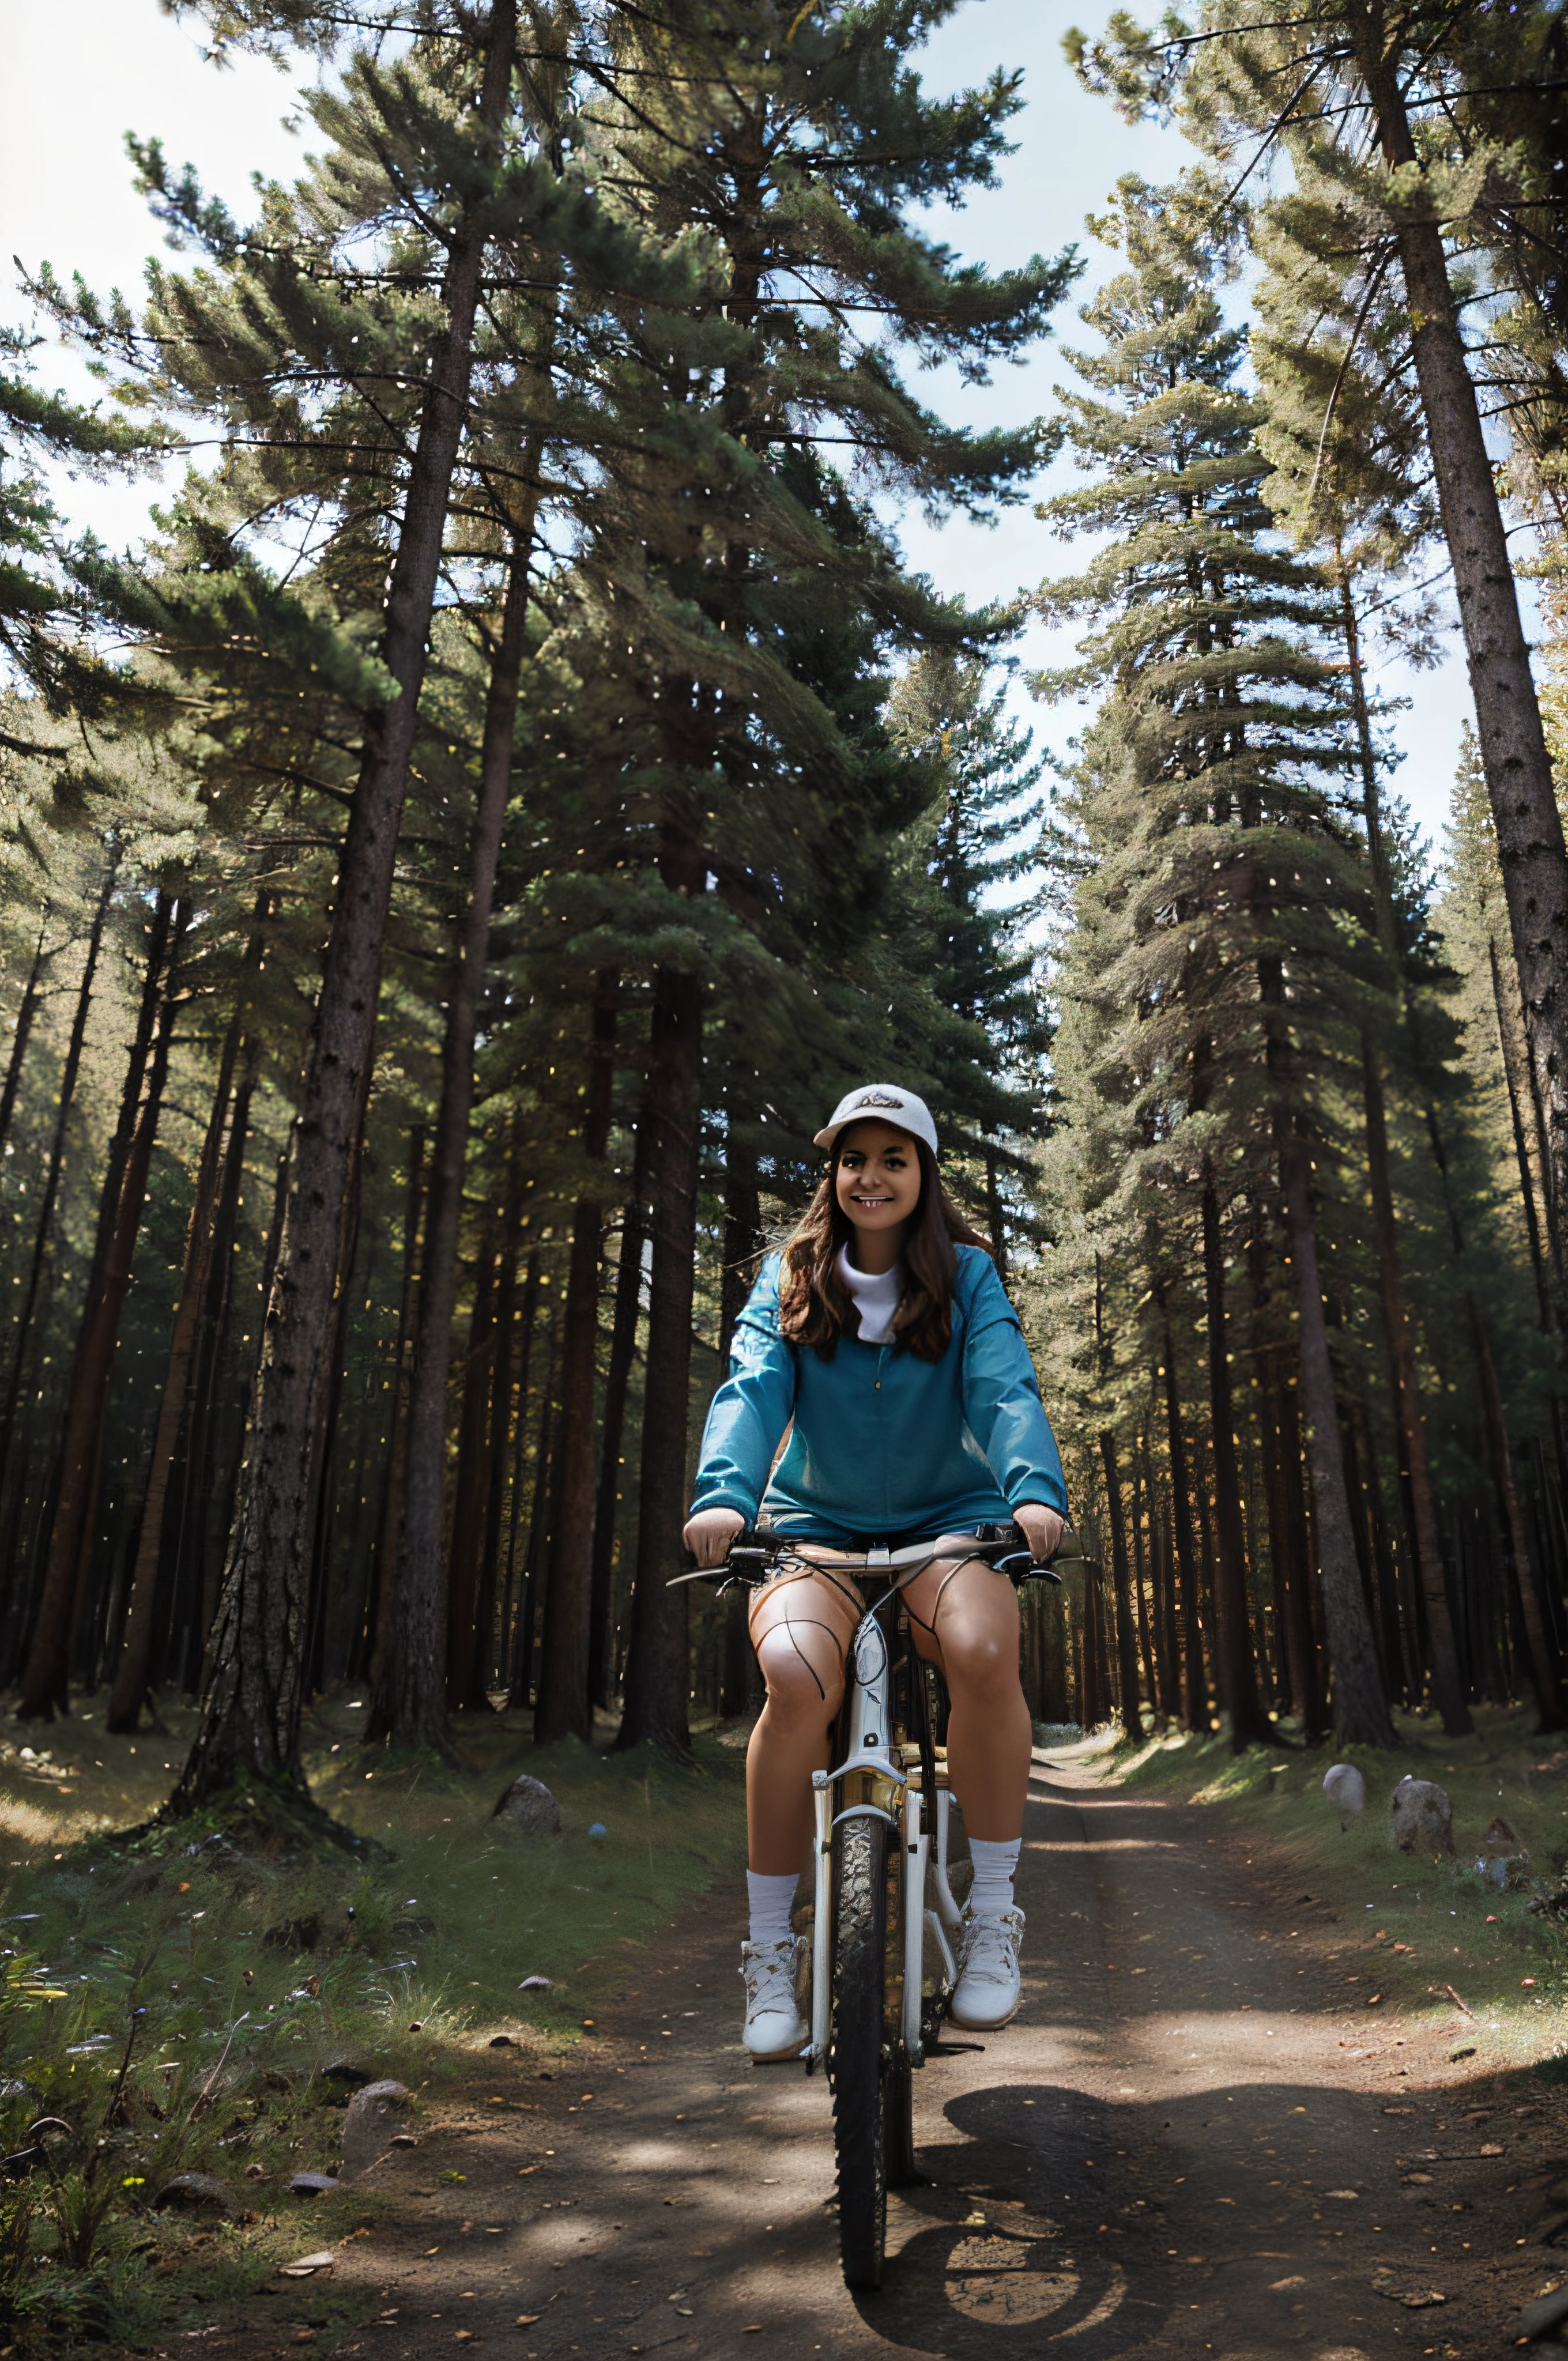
529,1806
370,2124
1347,1789
1422,1818
196,2193
313,2184
1547,2313
348,2066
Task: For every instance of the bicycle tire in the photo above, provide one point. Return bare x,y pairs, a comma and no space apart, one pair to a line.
859,2038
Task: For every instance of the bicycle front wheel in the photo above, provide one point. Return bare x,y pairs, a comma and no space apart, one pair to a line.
858,2036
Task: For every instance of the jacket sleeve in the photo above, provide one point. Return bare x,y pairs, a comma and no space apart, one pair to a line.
1001,1399
752,1407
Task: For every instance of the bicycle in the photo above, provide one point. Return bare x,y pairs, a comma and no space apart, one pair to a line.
882,1969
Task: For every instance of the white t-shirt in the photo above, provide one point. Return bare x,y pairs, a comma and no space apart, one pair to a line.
874,1295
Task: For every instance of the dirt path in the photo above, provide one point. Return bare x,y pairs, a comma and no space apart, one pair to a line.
1196,2139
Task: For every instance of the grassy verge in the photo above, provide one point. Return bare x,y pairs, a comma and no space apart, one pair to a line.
1416,1933
206,2012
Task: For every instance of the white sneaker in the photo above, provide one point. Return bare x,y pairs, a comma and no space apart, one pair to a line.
986,1993
774,2025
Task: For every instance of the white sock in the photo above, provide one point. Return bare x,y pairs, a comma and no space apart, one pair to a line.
773,1898
996,1866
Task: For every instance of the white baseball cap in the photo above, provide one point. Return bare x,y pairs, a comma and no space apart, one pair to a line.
870,1100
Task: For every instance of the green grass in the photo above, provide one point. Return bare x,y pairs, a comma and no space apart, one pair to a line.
234,1977
1508,1963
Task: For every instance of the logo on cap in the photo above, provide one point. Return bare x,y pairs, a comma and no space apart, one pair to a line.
878,1098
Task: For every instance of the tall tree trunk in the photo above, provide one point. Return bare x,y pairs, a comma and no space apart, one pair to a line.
521,1691
518,1454
207,1469
656,1679
740,1683
1538,1260
383,1636
1140,1596
31,998
251,1701
472,1494
1306,1696
64,1100
1409,1423
130,1682
44,1681
565,1707
1508,713
1361,1711
418,1699
617,1384
1126,1637
1195,1703
1232,1650
482,1452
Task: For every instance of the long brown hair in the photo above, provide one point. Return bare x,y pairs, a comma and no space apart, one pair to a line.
815,1306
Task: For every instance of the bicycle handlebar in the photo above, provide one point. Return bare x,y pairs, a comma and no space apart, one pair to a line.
752,1553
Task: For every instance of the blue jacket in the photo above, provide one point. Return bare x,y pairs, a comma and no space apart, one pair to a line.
883,1442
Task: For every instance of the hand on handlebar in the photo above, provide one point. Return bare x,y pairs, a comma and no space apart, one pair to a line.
1042,1527
709,1533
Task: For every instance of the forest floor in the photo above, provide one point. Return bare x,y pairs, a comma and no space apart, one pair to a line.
1275,2090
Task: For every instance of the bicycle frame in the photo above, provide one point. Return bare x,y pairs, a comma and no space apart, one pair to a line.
879,1784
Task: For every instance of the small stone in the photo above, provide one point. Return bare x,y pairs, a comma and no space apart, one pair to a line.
312,2184
350,2066
368,2126
308,2265
1422,1818
196,2192
531,1807
1346,1790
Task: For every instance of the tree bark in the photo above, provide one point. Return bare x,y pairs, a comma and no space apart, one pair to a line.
1195,1703
1141,1594
31,999
419,1670
563,1708
656,1679
45,1679
1508,713
1126,1638
378,1717
1409,1425
53,1171
1233,1656
617,1384
250,1725
472,1490
130,1682
1361,1709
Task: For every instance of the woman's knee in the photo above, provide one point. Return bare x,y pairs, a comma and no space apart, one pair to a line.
981,1660
803,1684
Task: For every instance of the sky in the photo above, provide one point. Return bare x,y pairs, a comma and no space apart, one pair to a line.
66,197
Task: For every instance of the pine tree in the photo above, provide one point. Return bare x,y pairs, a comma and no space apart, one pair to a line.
1391,111
1205,798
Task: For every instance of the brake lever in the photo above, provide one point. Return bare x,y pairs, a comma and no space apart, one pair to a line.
1035,1569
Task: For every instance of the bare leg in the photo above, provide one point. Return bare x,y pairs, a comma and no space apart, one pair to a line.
974,1611
801,1628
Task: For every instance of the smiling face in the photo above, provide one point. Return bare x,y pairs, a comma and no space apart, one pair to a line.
878,1189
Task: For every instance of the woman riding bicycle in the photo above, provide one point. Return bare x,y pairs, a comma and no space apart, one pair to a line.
882,1340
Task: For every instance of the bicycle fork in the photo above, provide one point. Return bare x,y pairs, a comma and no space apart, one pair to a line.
886,1786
